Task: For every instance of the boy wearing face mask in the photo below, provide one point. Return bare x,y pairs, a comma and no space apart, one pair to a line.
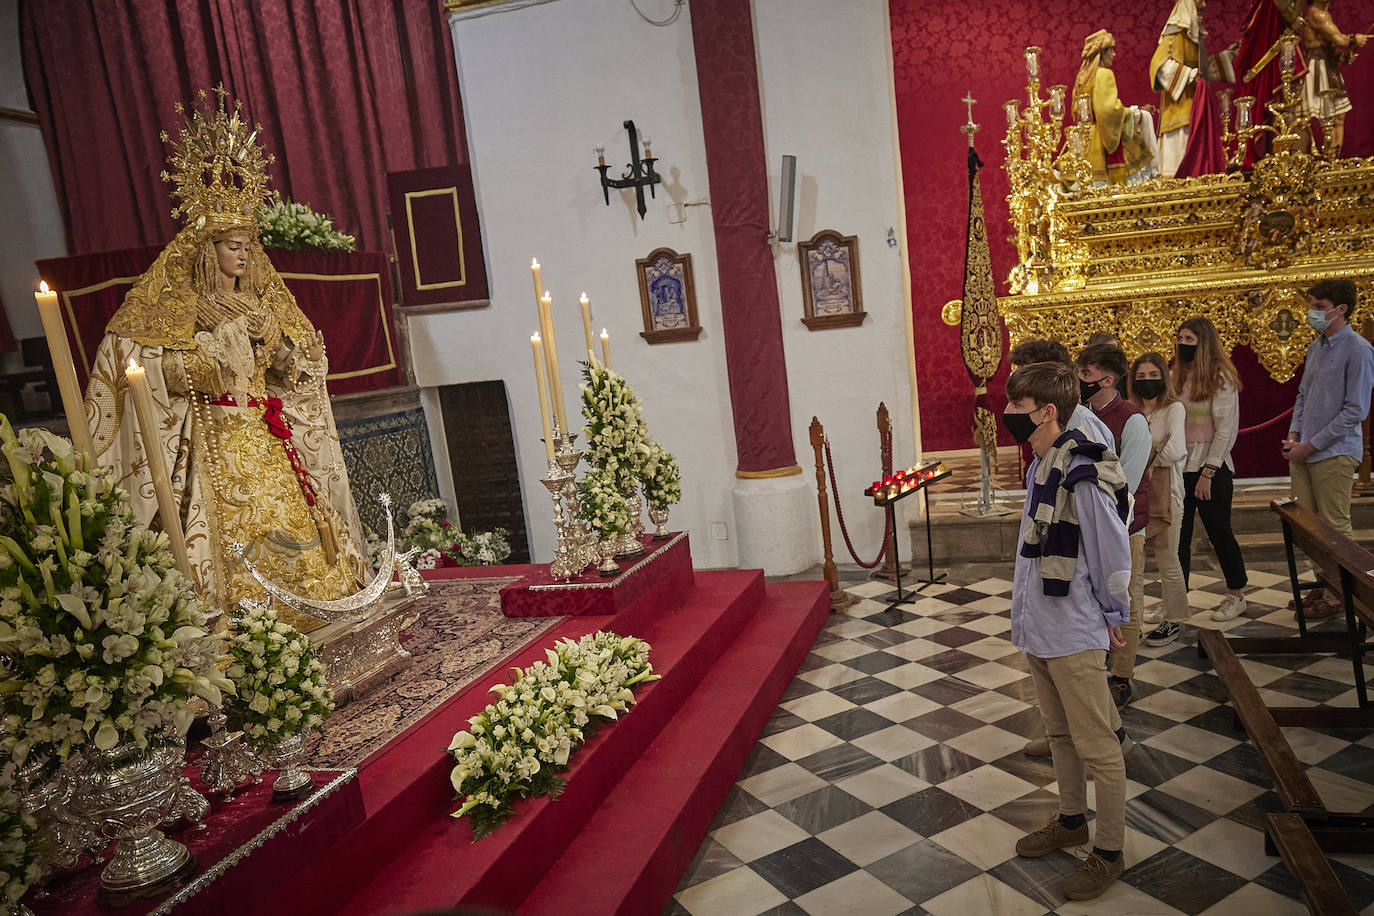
1069,598
1101,375
1325,441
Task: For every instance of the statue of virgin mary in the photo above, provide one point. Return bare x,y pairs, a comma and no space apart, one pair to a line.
238,379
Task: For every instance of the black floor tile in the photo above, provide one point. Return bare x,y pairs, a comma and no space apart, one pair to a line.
1183,881
853,723
923,870
865,690
943,724
781,721
816,812
1164,817
738,805
937,763
931,811
836,763
875,662
802,867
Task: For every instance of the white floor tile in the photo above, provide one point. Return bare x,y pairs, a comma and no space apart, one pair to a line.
893,743
882,785
734,893
868,838
856,892
1209,789
782,784
988,743
902,706
983,894
815,706
1312,747
987,787
802,741
986,840
1231,845
1253,900
759,835
1191,743
991,675
831,675
912,674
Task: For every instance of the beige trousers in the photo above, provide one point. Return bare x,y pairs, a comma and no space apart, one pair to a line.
1164,546
1324,487
1123,659
1077,709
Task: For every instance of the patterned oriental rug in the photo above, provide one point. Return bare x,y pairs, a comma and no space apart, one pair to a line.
460,636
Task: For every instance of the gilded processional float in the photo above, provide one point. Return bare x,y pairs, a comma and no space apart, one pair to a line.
1137,259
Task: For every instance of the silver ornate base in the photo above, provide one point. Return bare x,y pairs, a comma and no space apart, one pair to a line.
359,654
144,868
293,784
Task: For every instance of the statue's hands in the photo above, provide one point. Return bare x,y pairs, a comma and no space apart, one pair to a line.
312,346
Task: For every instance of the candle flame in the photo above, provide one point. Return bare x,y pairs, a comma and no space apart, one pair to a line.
547,297
534,338
584,296
134,366
534,263
43,287
605,333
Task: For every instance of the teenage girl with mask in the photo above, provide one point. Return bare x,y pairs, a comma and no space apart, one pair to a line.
1209,387
1153,392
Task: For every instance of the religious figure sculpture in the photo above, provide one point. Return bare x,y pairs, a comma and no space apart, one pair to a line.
1174,71
1326,48
1117,147
238,376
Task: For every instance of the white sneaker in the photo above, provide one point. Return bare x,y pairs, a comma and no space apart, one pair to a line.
1230,608
1154,614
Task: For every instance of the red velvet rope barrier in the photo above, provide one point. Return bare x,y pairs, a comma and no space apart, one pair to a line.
1267,423
887,523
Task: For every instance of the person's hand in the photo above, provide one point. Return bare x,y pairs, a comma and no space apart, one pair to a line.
1115,639
1203,489
1299,451
1360,40
312,345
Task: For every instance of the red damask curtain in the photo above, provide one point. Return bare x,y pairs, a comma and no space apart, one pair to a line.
346,90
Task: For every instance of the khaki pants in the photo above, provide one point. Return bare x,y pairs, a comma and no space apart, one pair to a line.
1324,487
1123,659
1077,709
1165,548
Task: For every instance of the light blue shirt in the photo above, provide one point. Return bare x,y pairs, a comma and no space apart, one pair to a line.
1333,398
1090,425
1050,627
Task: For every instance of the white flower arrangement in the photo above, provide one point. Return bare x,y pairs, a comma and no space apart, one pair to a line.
278,676
516,747
617,438
19,867
440,543
604,505
294,226
102,640
661,480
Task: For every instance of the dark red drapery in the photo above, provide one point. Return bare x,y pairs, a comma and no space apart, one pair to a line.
345,91
942,52
732,126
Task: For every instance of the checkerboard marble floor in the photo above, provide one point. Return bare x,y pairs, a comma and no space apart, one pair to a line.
890,780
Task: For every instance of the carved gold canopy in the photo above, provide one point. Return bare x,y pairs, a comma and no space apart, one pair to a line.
1241,250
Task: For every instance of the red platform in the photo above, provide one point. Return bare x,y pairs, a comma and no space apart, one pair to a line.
640,794
651,582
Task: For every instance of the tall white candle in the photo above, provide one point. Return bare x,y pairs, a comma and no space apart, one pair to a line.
606,347
587,326
55,329
555,376
157,465
537,345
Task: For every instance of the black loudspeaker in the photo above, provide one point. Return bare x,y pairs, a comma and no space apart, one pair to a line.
787,199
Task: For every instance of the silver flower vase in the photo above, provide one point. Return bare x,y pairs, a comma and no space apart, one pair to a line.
124,794
629,544
660,519
293,783
608,566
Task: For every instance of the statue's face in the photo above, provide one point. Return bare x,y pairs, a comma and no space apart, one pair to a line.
1108,57
231,254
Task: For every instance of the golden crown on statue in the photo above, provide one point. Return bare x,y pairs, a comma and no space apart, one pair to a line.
219,172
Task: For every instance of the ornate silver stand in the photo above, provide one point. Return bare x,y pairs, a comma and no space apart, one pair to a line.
293,783
229,763
660,519
125,793
629,544
576,546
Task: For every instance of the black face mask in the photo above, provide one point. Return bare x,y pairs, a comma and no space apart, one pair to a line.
1086,390
1020,425
1186,352
1149,388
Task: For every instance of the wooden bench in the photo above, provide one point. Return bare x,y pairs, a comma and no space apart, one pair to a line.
1321,889
1307,830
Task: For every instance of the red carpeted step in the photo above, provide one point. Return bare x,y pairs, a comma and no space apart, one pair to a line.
631,854
419,858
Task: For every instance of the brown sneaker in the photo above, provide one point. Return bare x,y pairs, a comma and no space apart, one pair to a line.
1037,747
1093,877
1320,610
1051,837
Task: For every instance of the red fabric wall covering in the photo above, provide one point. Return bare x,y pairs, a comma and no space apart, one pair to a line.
978,47
732,124
345,91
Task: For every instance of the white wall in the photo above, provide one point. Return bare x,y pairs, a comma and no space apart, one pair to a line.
30,225
542,85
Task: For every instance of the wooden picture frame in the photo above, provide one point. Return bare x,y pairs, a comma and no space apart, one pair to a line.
831,293
667,297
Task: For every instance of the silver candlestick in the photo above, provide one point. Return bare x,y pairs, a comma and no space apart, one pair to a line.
565,554
582,542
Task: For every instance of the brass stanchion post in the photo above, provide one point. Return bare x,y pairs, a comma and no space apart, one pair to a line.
888,570
839,599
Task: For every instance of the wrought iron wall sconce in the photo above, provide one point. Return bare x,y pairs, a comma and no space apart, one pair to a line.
639,172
